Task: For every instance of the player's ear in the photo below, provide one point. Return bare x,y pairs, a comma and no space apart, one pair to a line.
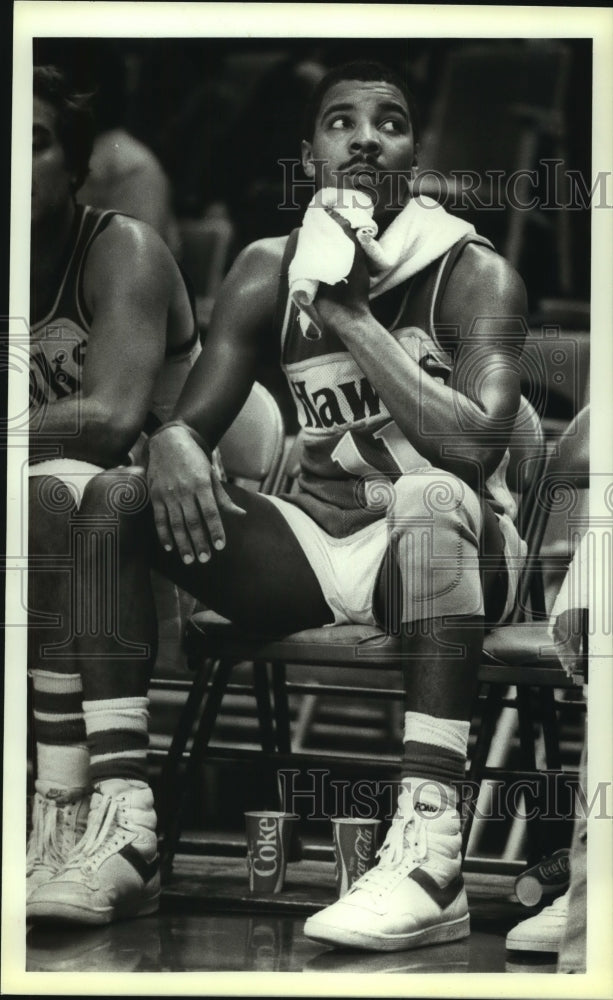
307,159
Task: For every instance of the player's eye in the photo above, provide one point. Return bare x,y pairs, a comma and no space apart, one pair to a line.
339,122
392,125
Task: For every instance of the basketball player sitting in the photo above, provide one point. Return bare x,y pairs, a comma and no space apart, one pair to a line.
113,336
404,374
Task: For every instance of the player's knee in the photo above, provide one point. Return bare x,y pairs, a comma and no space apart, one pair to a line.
435,495
51,504
121,493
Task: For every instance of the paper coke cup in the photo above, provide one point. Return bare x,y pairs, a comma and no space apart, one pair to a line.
268,838
549,877
355,849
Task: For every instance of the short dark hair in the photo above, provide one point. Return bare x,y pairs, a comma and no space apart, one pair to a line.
364,70
74,119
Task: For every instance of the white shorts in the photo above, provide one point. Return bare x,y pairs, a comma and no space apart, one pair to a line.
70,471
346,568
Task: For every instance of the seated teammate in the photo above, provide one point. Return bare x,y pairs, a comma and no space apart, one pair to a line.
113,336
406,384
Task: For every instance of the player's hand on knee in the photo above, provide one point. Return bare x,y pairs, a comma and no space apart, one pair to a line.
186,496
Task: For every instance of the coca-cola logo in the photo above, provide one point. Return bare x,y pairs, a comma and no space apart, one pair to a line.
363,850
551,870
267,850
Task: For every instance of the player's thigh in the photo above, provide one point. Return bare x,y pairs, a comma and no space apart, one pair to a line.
262,579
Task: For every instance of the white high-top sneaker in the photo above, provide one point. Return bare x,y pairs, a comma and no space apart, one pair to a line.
59,818
544,931
113,872
414,896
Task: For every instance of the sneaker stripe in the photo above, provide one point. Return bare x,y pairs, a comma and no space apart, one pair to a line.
146,869
443,897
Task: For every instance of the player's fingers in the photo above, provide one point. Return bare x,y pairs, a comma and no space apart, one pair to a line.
224,501
207,502
183,521
197,530
162,525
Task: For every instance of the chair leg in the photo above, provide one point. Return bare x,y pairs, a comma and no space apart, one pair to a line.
551,730
262,698
489,718
169,776
281,707
536,847
222,672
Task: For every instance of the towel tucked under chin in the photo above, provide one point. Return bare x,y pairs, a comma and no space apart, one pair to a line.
420,233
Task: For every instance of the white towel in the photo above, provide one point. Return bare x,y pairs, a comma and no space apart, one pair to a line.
420,233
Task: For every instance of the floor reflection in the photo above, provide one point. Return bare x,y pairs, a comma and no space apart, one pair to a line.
226,942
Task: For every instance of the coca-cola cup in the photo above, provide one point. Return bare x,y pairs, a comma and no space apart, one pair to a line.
268,838
549,877
355,849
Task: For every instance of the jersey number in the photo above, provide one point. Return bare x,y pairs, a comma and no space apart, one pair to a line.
348,456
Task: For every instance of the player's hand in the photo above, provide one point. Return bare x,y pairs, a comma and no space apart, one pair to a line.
187,496
348,297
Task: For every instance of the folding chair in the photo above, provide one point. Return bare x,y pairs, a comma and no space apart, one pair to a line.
210,640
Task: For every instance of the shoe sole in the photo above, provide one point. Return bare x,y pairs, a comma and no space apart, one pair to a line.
551,946
71,913
451,930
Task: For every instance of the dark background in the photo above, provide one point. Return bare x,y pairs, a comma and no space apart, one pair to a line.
219,113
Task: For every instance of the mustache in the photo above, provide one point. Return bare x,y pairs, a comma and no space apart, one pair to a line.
361,160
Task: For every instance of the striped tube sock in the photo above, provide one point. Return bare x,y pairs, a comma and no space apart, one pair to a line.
434,757
62,758
117,736
58,707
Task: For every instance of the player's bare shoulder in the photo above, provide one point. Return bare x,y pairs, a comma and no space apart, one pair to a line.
253,280
128,251
483,283
261,261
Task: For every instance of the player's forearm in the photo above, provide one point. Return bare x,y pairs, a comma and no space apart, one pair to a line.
214,393
446,427
85,430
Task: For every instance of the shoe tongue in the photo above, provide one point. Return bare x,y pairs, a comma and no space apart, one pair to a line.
118,786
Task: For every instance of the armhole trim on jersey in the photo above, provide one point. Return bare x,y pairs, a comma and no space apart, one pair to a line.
283,306
100,224
448,262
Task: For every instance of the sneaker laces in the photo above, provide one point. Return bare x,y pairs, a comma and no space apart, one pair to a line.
44,844
404,848
101,824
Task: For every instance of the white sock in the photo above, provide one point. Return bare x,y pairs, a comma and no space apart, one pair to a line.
61,767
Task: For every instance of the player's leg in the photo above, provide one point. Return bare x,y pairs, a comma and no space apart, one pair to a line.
261,580
61,799
431,583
